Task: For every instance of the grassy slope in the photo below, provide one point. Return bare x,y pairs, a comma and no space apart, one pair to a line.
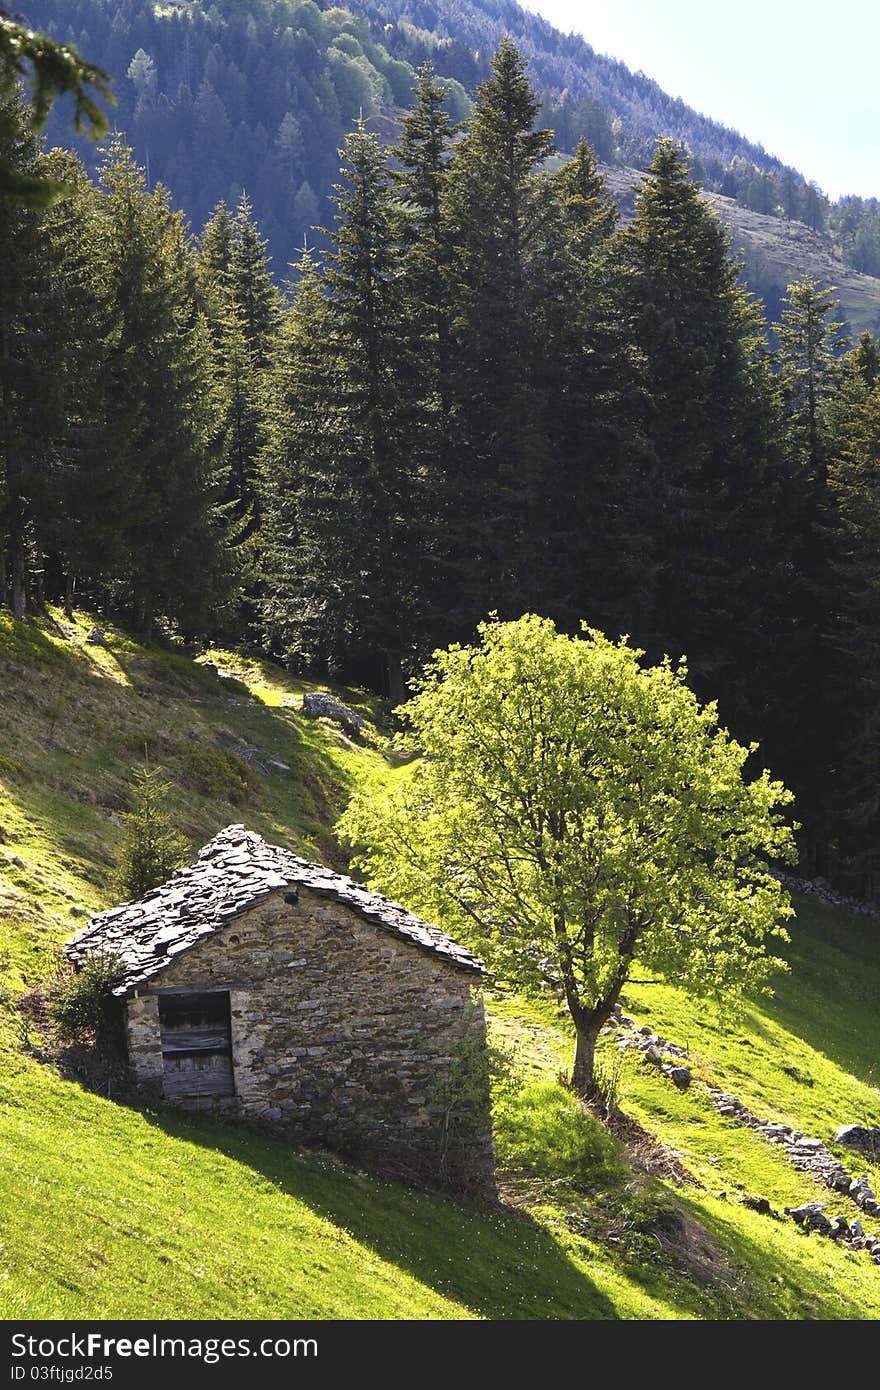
110,1212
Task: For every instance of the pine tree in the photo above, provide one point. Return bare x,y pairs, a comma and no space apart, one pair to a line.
707,495
855,488
158,391
151,848
493,212
250,281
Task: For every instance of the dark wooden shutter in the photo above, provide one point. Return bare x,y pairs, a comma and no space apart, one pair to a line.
197,1046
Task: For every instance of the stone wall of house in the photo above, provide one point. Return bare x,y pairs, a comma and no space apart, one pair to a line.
343,1036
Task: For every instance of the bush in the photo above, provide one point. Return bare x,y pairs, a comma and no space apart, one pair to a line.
216,772
81,1008
543,1129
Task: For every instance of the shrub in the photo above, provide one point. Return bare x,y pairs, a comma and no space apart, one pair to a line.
219,773
543,1128
81,1008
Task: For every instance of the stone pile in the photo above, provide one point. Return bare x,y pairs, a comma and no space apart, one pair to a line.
811,1216
821,888
652,1047
806,1154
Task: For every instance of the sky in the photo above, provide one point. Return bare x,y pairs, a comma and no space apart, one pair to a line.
800,77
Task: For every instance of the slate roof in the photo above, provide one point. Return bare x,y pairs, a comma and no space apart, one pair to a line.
235,871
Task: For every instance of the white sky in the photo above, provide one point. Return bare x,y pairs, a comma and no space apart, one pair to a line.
800,77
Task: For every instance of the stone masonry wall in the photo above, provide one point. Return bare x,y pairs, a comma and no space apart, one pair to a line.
342,1036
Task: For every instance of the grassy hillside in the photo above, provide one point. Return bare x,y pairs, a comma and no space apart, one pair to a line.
108,1211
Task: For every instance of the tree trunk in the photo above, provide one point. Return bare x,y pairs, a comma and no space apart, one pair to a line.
18,602
583,1075
395,688
588,1024
69,591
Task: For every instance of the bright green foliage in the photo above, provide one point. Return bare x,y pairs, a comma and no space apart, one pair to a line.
573,812
151,849
541,1128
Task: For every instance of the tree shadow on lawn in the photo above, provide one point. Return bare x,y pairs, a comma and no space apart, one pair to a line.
498,1264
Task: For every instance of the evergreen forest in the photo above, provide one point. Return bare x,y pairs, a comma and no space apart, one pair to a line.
484,394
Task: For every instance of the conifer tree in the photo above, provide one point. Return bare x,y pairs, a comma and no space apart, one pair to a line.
855,487
158,391
811,376
588,380
250,280
53,482
706,497
22,349
151,848
493,212
424,258
343,445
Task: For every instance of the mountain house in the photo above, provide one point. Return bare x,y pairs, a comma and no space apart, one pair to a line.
259,986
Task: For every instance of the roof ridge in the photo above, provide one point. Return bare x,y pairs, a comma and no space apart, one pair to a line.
231,874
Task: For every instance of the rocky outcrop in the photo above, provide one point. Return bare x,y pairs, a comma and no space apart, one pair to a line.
318,706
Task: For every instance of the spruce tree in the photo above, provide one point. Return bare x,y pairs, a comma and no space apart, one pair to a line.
424,258
855,487
23,380
159,394
342,445
250,280
706,496
151,848
493,213
55,511
810,377
588,381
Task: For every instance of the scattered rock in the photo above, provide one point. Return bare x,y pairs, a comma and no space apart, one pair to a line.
95,638
279,765
860,1138
318,706
681,1076
758,1204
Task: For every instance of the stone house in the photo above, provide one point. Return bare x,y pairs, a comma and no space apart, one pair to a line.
256,985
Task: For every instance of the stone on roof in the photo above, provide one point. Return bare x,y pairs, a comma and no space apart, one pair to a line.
235,871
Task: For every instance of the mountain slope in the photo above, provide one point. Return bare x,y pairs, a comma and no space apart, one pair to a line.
109,1211
776,252
242,95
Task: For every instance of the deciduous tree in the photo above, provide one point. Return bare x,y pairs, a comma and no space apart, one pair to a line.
575,812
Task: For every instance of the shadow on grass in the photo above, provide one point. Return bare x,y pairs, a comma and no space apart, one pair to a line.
498,1264
829,999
